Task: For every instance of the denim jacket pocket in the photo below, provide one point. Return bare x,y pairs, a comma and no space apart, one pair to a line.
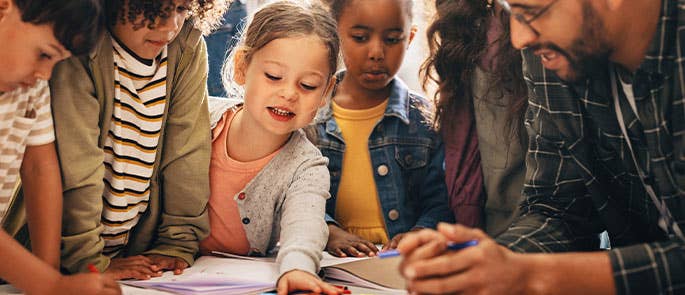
412,157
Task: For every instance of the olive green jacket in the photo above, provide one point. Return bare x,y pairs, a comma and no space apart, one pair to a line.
176,220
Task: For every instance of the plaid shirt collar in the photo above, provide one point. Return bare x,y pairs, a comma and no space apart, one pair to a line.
660,57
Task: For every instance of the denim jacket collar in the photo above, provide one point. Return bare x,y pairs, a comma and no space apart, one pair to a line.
398,105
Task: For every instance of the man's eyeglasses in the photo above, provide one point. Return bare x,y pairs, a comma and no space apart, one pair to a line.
527,22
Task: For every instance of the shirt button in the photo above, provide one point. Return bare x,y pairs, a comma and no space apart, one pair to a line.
241,196
382,170
246,220
393,214
409,159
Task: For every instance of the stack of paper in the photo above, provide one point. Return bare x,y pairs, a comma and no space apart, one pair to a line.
374,273
213,275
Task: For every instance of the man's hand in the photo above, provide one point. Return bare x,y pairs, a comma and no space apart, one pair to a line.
487,268
342,244
135,267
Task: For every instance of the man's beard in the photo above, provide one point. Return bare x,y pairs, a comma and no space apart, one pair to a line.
588,54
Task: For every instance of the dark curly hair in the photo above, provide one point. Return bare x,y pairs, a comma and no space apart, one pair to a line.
457,42
207,14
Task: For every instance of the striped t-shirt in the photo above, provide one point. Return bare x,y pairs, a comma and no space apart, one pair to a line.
25,120
131,143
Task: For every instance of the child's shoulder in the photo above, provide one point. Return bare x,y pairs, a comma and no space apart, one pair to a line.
218,106
301,145
420,108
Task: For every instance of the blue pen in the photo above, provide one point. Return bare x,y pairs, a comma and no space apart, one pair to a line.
450,246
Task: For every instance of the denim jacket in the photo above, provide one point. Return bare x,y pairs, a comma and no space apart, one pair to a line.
407,156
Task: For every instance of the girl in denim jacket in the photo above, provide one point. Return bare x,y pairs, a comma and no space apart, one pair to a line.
385,159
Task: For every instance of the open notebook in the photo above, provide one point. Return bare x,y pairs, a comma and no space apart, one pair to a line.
373,273
214,276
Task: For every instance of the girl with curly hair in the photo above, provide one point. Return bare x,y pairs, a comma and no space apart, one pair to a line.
132,132
480,104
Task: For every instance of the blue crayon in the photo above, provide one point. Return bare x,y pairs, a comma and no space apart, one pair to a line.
450,246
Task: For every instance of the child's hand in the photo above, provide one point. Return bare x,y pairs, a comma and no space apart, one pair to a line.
82,284
342,244
135,267
392,244
297,280
169,263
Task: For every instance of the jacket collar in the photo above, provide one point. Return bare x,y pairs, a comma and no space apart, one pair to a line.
398,102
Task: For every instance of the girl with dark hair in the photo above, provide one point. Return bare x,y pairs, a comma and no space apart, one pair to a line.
480,104
385,159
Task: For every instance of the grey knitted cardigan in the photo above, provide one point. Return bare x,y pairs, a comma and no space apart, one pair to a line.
285,202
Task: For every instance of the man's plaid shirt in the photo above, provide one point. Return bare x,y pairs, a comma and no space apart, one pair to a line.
581,178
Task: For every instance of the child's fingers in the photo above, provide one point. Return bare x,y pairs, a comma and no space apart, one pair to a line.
282,287
328,288
180,265
352,251
111,287
363,247
371,246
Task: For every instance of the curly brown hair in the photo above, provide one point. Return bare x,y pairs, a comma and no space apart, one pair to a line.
457,42
206,14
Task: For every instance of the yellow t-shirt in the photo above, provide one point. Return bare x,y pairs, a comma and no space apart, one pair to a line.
357,206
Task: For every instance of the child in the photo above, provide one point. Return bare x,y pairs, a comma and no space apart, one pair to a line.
269,184
133,139
385,159
35,35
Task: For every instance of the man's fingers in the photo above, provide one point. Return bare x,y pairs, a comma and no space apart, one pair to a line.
443,265
454,284
415,239
460,233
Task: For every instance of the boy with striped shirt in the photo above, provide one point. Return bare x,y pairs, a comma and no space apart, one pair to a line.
133,139
35,35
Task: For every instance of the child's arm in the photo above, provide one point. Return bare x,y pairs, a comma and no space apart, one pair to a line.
76,112
43,196
433,190
303,230
184,167
34,276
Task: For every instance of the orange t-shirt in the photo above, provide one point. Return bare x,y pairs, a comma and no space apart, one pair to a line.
227,177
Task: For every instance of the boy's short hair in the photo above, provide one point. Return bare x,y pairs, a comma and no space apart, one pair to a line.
76,23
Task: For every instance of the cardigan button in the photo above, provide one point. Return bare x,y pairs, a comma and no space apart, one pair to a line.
394,214
241,196
382,170
246,220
